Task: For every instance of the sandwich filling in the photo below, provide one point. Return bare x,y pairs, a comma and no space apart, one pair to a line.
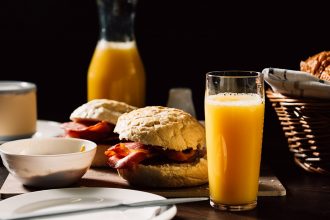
130,154
99,131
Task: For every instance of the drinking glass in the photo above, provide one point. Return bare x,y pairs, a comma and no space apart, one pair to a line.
234,117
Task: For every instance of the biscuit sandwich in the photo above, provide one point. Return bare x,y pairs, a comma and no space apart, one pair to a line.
160,147
95,121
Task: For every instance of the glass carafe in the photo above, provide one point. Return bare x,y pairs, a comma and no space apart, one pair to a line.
116,70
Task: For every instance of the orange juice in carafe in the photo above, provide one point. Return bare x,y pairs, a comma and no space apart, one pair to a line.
116,70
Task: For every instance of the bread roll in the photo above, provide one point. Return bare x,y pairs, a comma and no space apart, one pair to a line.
167,175
161,126
318,65
101,110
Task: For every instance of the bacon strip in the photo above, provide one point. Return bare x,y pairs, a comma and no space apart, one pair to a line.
187,155
98,131
125,155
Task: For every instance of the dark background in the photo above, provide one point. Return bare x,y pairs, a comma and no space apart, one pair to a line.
51,42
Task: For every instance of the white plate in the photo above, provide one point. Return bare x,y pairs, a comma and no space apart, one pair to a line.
79,197
46,129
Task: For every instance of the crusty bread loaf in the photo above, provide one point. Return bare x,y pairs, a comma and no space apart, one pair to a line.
101,110
161,126
167,175
318,65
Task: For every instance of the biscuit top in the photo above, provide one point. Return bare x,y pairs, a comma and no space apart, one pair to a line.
170,128
101,110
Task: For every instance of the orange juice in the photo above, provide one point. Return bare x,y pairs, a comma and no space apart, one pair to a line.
234,125
116,72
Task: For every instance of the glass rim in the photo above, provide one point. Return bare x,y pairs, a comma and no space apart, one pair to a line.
234,74
15,87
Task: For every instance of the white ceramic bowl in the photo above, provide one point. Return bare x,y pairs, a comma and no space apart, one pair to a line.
48,162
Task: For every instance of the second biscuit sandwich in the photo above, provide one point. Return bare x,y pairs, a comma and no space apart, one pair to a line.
95,121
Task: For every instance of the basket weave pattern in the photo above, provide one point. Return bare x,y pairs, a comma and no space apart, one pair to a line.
306,125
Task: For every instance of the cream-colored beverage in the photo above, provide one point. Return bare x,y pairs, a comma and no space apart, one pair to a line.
234,125
18,110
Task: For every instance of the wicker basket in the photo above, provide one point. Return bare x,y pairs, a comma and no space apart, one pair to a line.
306,124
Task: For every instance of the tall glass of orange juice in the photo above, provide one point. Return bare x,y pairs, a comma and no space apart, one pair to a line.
116,70
234,117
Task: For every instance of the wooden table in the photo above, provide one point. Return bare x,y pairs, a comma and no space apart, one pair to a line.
308,195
